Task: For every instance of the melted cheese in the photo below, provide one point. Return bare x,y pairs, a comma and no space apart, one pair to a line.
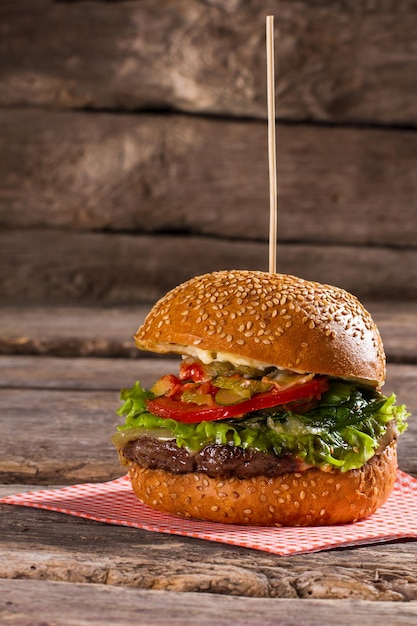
209,356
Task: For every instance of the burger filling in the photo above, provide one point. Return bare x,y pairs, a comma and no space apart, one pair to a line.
226,420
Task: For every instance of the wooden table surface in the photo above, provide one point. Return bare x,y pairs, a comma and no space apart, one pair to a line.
60,374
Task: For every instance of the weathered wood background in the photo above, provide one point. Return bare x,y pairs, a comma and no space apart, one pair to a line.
133,155
133,145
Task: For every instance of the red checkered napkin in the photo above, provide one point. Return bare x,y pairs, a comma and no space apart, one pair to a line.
115,503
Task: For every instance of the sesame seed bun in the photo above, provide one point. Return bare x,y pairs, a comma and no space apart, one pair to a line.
252,317
262,319
309,498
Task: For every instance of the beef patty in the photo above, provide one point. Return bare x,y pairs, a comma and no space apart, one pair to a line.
214,460
220,460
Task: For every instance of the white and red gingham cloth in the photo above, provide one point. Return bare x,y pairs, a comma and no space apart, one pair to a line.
115,503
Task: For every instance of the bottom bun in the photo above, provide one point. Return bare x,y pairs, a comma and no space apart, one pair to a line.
310,498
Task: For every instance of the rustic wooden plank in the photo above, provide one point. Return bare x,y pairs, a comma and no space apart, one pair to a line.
30,603
82,373
177,174
71,331
46,449
55,267
108,331
38,425
82,551
337,61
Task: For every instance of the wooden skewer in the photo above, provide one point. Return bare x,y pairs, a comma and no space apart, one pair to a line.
273,199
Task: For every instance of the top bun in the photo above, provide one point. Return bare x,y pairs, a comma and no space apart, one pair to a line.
259,318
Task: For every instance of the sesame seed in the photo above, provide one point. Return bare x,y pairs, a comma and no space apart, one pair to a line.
223,297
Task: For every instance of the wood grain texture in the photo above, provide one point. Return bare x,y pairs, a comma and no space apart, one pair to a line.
82,373
108,331
177,174
72,331
89,605
337,61
46,449
64,267
82,551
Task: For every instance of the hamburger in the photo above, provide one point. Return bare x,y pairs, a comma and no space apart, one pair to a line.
275,414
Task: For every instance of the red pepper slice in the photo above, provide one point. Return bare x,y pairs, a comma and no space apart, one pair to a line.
189,413
192,371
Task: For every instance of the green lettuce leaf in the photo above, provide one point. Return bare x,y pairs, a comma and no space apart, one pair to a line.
342,431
